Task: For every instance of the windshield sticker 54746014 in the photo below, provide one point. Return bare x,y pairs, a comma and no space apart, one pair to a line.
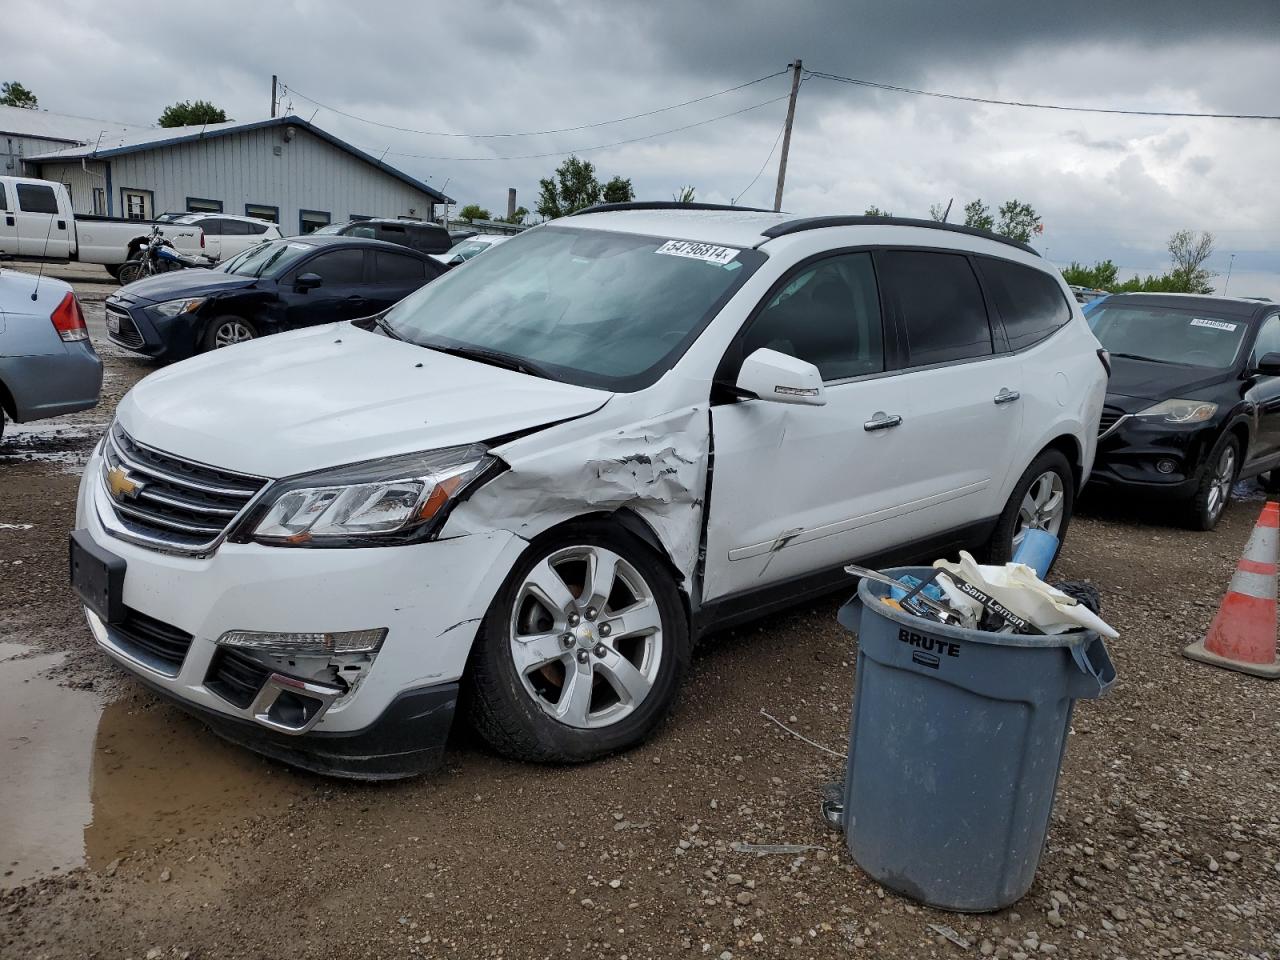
698,251
1214,324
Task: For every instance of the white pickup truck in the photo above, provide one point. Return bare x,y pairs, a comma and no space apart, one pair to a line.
37,223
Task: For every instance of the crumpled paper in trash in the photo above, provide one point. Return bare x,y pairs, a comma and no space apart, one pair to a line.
1018,588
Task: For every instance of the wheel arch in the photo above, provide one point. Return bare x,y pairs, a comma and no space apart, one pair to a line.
1069,446
7,402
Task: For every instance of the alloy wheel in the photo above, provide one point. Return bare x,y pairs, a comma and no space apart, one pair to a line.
229,332
1042,508
1223,477
586,636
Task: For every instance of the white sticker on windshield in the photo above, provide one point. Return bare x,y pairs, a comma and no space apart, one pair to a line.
698,251
1214,324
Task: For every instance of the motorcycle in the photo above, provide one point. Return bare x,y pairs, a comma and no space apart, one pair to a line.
158,255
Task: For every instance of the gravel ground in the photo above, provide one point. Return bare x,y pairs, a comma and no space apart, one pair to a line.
1165,839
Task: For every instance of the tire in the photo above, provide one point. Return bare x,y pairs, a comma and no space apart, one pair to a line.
1049,513
113,269
539,711
1209,503
129,271
227,330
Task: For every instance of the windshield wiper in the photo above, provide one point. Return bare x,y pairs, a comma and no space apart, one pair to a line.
495,358
1134,356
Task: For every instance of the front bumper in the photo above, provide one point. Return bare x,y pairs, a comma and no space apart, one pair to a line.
1129,457
430,597
167,339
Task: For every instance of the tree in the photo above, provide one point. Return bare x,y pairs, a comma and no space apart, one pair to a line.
937,212
14,94
1189,253
573,187
191,113
1018,221
618,190
517,217
977,214
1101,276
874,211
473,211
684,196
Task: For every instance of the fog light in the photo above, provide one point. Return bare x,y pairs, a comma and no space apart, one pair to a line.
1166,466
322,644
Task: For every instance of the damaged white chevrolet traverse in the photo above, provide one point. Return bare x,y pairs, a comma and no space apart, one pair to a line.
532,484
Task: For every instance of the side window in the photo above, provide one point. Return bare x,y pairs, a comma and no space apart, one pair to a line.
255,229
337,267
1031,304
4,201
211,227
235,228
828,315
36,198
940,303
391,268
1268,340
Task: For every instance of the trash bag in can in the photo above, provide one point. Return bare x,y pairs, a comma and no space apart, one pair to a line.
955,744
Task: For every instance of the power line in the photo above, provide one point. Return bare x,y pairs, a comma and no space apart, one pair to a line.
1037,106
772,150
599,146
530,133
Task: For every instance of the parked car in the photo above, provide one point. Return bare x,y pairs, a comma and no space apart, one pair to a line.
457,236
276,286
225,235
417,235
467,249
505,482
1194,400
47,364
37,223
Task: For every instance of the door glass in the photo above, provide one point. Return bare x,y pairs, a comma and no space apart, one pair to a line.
1268,340
235,228
941,305
337,267
391,268
36,198
4,202
211,227
828,315
1031,303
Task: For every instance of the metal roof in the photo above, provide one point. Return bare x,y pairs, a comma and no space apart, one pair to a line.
139,140
43,125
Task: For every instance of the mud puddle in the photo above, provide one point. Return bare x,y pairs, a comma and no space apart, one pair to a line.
67,444
82,783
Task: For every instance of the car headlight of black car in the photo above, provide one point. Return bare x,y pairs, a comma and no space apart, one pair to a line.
394,500
174,308
1180,411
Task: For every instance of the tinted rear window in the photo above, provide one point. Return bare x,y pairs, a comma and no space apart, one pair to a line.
396,269
1031,303
940,305
36,198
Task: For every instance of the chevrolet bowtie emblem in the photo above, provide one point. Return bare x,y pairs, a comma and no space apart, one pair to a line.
122,485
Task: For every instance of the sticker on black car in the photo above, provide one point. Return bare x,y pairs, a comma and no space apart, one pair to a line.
1214,324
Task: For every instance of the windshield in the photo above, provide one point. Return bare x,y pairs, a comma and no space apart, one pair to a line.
469,248
266,259
595,308
1185,335
331,229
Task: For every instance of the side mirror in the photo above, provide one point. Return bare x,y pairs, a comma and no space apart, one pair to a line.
778,378
307,281
1268,365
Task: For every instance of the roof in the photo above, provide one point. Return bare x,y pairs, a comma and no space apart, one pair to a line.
140,140
1234,306
331,239
43,125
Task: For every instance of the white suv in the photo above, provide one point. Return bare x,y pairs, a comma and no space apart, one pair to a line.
542,477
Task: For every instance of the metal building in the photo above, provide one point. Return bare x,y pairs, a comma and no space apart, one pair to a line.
26,133
286,170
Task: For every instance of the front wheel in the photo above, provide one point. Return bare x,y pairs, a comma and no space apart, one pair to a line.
225,331
582,652
1042,499
1214,492
130,271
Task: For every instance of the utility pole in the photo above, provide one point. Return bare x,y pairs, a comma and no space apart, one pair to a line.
274,81
786,133
1230,263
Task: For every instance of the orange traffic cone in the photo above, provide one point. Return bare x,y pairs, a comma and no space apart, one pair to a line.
1243,635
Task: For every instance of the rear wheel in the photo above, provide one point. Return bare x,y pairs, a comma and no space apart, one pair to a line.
228,330
1214,493
1042,499
582,652
129,271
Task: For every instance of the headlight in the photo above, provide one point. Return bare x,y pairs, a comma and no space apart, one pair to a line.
172,308
1180,411
393,500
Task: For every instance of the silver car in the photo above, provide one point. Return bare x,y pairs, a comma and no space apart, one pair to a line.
47,364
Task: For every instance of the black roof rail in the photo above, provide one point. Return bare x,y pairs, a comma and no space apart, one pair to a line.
817,223
664,205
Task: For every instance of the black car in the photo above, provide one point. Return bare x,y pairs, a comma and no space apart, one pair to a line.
420,235
281,285
1194,399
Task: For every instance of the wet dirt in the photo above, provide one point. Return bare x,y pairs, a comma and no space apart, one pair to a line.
83,783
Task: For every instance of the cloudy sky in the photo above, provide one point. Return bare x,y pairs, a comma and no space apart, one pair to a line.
1106,186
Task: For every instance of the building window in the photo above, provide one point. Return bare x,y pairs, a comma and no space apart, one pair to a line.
99,202
201,205
262,211
359,216
137,203
309,220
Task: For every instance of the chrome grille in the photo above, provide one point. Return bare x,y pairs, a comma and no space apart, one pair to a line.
1111,418
176,504
129,335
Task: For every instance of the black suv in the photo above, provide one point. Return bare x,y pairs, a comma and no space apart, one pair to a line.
420,235
1194,399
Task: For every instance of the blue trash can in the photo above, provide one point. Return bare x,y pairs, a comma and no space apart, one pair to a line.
955,744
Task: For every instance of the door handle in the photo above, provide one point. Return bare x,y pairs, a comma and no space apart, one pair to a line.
1007,396
881,421
355,299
